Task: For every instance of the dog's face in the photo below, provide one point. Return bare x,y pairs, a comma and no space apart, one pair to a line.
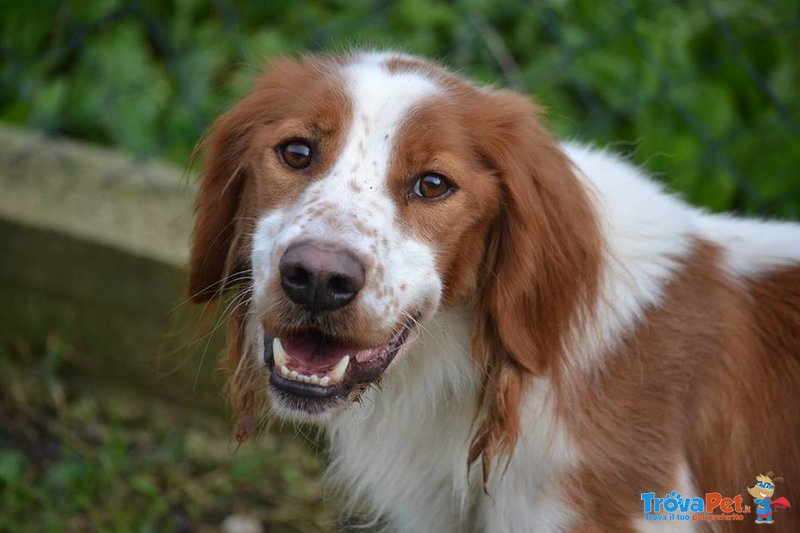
358,251
349,199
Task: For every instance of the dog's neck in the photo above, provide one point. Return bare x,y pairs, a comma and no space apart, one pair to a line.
414,426
403,449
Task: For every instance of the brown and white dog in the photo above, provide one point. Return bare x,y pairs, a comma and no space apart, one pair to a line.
500,332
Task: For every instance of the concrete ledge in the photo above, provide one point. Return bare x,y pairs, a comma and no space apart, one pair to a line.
94,246
96,194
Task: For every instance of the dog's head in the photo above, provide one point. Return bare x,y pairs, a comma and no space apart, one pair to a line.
346,200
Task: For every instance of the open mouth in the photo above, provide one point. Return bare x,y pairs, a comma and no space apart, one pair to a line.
312,372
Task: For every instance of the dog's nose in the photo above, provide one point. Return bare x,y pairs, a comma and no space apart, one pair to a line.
320,276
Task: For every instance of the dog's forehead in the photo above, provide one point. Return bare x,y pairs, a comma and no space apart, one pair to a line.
381,101
382,98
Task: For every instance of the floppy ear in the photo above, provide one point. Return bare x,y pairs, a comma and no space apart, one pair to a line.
542,262
214,261
226,145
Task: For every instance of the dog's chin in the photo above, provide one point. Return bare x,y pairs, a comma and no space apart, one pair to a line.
313,377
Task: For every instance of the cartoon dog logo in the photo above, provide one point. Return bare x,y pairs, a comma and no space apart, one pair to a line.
762,493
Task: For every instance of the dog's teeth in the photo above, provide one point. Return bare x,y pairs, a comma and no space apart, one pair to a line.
278,353
338,371
282,360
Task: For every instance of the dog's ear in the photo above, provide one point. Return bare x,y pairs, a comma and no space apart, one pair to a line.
225,148
542,260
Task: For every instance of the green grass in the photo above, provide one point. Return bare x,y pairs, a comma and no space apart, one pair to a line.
80,457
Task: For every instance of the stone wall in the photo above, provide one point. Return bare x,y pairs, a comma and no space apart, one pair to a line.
94,246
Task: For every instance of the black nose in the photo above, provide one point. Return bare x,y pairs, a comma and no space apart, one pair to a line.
320,276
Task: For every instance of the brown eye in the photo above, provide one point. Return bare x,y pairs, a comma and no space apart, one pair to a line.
296,154
432,186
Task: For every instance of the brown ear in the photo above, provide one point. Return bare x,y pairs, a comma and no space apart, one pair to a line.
542,266
224,172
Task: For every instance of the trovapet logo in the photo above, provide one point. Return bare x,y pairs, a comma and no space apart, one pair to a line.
676,506
762,493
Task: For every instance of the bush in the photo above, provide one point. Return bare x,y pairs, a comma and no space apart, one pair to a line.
702,93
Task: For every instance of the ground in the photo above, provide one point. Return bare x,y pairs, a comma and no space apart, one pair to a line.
78,456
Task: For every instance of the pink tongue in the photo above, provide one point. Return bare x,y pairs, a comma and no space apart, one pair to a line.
313,352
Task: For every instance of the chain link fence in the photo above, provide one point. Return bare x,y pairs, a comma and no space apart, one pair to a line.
700,92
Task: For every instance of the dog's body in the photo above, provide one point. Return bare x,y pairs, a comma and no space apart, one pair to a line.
543,310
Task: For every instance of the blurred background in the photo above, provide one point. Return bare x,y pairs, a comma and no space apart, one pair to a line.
111,411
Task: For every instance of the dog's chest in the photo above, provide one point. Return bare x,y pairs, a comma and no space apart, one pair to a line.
408,463
403,450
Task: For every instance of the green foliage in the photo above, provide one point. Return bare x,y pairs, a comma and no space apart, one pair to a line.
702,92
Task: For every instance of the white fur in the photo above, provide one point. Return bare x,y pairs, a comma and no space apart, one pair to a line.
752,247
683,484
380,103
403,449
640,252
364,220
646,232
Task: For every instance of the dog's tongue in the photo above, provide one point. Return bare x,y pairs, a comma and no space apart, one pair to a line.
312,353
315,351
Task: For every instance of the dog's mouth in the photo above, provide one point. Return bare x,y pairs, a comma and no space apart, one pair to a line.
312,372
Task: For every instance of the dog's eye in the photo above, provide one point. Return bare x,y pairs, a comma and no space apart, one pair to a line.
432,186
296,154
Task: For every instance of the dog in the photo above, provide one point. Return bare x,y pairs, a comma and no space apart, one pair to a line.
497,330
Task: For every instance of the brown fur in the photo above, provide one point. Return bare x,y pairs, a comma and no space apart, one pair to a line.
521,243
440,137
522,236
693,381
248,396
541,266
242,175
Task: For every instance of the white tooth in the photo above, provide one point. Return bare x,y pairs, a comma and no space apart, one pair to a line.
305,379
293,374
338,371
284,371
324,380
314,379
278,353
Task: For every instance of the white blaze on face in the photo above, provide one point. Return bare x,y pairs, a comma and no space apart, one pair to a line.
353,206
